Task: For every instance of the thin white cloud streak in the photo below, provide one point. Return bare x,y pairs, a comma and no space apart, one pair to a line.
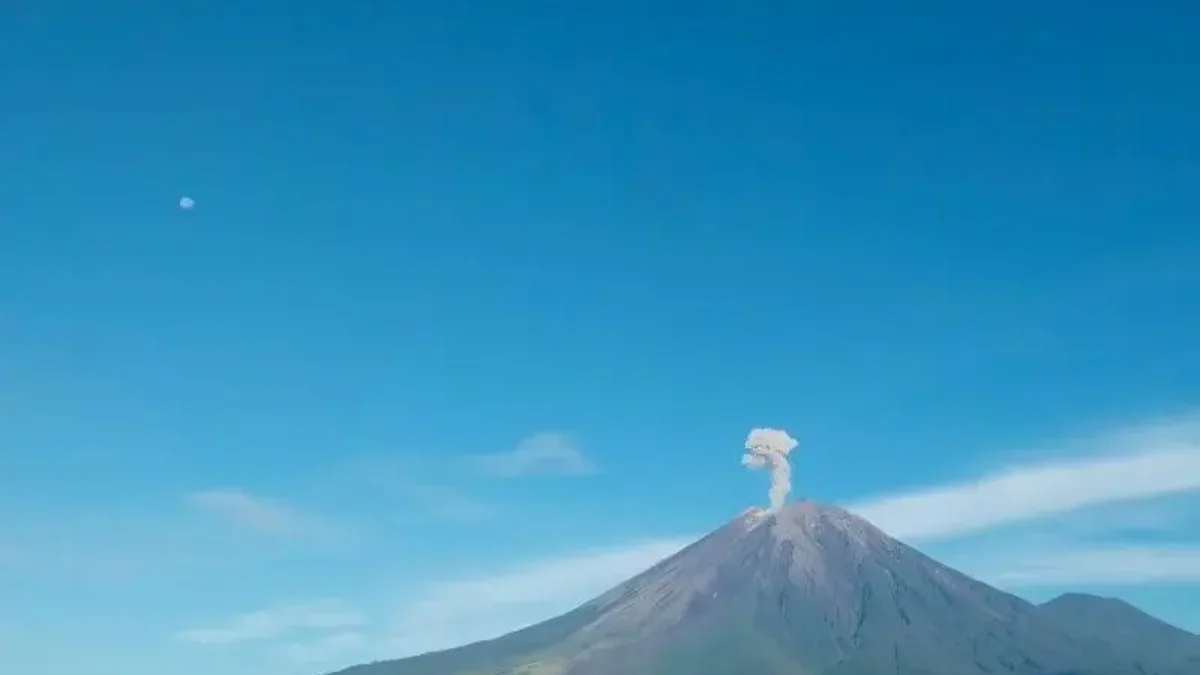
341,648
1136,463
117,545
452,613
449,613
257,514
1159,461
445,613
421,499
544,453
270,623
443,502
1155,516
1110,565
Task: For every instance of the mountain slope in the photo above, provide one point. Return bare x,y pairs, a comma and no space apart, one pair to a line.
810,590
1141,638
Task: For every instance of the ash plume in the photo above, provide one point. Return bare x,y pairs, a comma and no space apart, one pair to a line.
769,448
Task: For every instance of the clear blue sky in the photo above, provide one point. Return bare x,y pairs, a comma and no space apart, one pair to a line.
924,240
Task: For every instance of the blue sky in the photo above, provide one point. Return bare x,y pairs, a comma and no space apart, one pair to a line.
487,297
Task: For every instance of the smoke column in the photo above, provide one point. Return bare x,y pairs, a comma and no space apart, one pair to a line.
769,448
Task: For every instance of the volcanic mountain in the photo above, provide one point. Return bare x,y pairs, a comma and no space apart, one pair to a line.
1155,644
808,590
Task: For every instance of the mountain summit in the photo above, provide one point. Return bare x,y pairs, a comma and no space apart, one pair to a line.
806,590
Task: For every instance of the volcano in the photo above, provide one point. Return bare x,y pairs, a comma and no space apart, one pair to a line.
807,590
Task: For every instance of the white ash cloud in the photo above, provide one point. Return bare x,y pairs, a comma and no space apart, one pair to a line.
768,449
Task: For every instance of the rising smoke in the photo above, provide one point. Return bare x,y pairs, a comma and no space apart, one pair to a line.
769,448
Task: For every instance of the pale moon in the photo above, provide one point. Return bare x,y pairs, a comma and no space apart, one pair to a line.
186,203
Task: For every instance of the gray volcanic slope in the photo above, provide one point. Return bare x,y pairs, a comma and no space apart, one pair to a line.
810,590
1153,643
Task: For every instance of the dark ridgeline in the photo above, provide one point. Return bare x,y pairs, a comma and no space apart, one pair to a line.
815,590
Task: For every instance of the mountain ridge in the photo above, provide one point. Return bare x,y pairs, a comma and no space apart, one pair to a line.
1112,621
806,590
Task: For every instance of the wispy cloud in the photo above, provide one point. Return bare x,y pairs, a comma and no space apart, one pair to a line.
340,648
544,453
1155,461
457,611
1137,463
443,501
115,545
258,514
415,495
443,613
1115,565
270,623
1144,464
